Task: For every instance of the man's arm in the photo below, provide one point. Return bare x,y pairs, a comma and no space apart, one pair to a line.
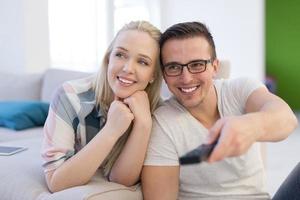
274,117
160,182
267,118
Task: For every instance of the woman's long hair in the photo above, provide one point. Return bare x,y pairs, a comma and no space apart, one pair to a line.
105,96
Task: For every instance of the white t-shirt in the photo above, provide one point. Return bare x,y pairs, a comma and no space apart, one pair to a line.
175,132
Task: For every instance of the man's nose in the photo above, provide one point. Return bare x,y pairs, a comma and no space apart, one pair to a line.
186,76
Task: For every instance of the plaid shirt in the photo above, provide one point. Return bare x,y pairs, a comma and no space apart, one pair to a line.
72,122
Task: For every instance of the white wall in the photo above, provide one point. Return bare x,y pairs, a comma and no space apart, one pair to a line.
237,27
24,44
36,33
11,35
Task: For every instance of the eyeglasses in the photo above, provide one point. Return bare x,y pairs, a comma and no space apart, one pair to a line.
194,67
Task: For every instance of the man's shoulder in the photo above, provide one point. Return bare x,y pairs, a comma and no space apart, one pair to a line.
236,83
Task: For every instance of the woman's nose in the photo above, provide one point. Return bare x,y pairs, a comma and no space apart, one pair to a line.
129,66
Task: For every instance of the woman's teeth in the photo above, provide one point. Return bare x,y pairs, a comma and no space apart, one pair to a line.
125,81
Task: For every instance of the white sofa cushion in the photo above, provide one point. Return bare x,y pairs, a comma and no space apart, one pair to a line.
53,78
21,174
20,86
10,135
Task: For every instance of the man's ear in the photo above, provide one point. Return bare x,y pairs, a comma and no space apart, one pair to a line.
216,67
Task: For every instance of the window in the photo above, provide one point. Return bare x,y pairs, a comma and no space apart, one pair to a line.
80,30
129,10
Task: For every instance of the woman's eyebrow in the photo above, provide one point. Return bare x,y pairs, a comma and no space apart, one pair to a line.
122,48
140,54
145,56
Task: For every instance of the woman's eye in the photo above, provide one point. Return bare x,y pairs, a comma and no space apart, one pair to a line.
119,55
143,62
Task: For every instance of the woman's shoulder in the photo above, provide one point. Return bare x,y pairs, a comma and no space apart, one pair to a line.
78,86
74,92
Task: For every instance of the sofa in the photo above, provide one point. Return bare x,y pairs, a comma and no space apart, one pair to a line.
21,174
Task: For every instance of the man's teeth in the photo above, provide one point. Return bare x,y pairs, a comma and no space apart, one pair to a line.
125,81
187,90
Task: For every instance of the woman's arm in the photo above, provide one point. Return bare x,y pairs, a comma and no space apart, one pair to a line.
80,168
128,166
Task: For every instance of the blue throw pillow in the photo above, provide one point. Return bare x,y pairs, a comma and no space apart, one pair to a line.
20,115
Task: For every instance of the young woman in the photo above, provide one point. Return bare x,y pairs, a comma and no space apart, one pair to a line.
104,122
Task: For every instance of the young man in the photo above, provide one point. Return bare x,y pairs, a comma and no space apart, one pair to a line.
236,113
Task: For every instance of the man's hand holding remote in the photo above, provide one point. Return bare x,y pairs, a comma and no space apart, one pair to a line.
199,154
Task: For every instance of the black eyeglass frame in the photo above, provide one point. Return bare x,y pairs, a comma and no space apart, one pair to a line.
187,65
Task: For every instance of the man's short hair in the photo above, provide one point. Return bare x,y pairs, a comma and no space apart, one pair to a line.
188,30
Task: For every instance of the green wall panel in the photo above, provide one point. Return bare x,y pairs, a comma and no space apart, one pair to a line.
283,48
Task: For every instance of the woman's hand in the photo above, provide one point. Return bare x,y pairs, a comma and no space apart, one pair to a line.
139,105
119,118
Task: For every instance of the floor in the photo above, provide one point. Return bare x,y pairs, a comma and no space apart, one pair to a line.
282,157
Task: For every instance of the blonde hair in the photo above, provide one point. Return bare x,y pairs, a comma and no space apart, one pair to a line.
105,96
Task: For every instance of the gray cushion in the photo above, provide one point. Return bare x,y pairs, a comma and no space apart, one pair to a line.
53,78
20,86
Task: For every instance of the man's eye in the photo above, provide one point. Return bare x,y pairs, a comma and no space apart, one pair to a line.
197,65
173,67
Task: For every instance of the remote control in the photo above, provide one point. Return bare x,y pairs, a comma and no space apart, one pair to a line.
198,154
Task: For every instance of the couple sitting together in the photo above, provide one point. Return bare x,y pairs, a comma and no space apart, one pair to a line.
116,121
